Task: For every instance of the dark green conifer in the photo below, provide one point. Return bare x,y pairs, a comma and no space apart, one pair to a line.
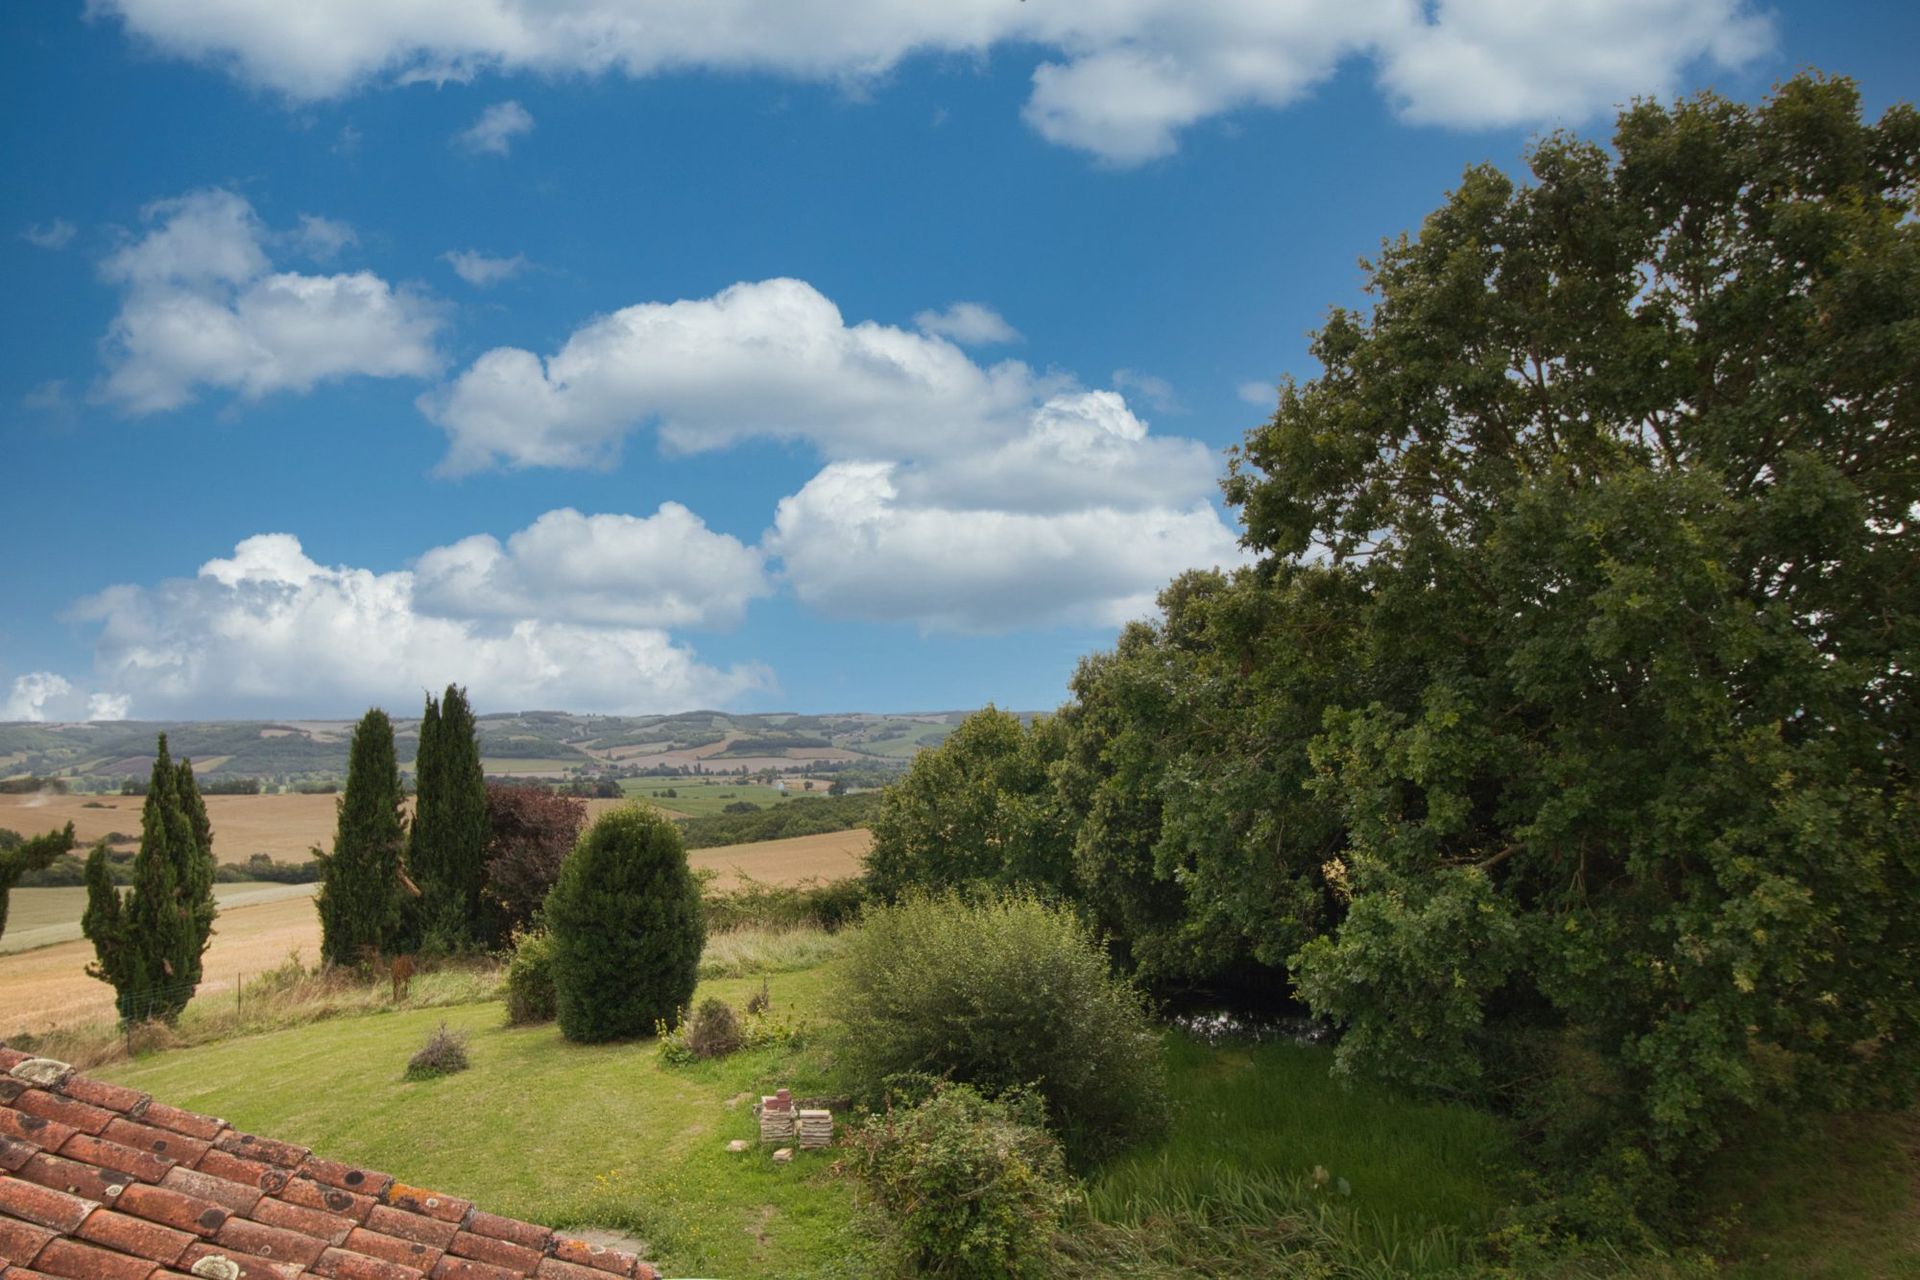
627,927
148,945
447,852
361,885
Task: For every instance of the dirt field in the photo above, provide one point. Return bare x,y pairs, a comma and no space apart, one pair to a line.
42,917
284,826
49,987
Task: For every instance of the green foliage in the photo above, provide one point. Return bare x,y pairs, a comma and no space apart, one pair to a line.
978,809
444,1053
530,993
148,945
627,928
964,1186
1003,992
361,883
447,848
19,858
752,903
800,816
1568,715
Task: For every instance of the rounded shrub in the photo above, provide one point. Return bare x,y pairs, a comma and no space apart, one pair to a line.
1003,992
627,929
530,995
963,1186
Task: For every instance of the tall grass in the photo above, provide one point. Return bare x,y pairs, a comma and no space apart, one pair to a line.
749,952
1273,1169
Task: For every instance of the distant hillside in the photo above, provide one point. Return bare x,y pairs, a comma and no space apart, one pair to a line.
536,744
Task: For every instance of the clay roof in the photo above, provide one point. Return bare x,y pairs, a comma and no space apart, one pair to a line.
99,1182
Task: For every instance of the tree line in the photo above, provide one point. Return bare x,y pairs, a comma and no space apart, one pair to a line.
1559,745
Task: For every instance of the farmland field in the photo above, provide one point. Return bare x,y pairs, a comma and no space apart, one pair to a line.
285,827
697,797
48,986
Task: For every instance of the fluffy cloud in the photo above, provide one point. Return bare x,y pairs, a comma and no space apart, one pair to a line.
1261,395
663,570
1121,78
55,235
481,271
270,627
323,239
493,133
855,544
203,307
772,359
971,324
31,694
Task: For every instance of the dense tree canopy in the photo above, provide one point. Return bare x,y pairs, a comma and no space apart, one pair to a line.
447,847
1567,715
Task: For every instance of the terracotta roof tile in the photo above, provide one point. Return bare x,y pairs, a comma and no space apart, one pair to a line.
275,1243
214,1262
74,1178
14,1152
161,1142
499,1253
77,1261
248,1173
143,1165
597,1256
495,1227
21,1242
252,1147
100,1182
43,1205
205,1128
308,1222
114,1097
344,1264
332,1173
75,1115
311,1195
411,1226
124,1233
231,1196
38,1130
174,1208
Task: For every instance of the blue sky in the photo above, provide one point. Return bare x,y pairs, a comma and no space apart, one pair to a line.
871,356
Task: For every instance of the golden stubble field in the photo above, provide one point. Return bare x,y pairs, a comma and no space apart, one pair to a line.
49,987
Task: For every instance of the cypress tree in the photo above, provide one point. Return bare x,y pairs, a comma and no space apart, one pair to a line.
149,944
447,852
361,889
627,927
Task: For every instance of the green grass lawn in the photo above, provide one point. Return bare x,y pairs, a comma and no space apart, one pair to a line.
538,1128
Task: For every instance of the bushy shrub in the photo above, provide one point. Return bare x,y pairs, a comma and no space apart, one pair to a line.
714,1030
964,1186
627,928
530,995
444,1053
1003,992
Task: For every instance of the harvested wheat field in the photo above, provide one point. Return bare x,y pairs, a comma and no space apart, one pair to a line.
284,827
50,987
828,856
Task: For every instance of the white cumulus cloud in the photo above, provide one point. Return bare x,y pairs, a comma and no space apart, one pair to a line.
493,133
773,358
108,706
663,570
202,307
1118,78
55,235
31,694
269,627
323,239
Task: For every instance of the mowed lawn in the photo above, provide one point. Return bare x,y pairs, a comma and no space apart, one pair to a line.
570,1135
